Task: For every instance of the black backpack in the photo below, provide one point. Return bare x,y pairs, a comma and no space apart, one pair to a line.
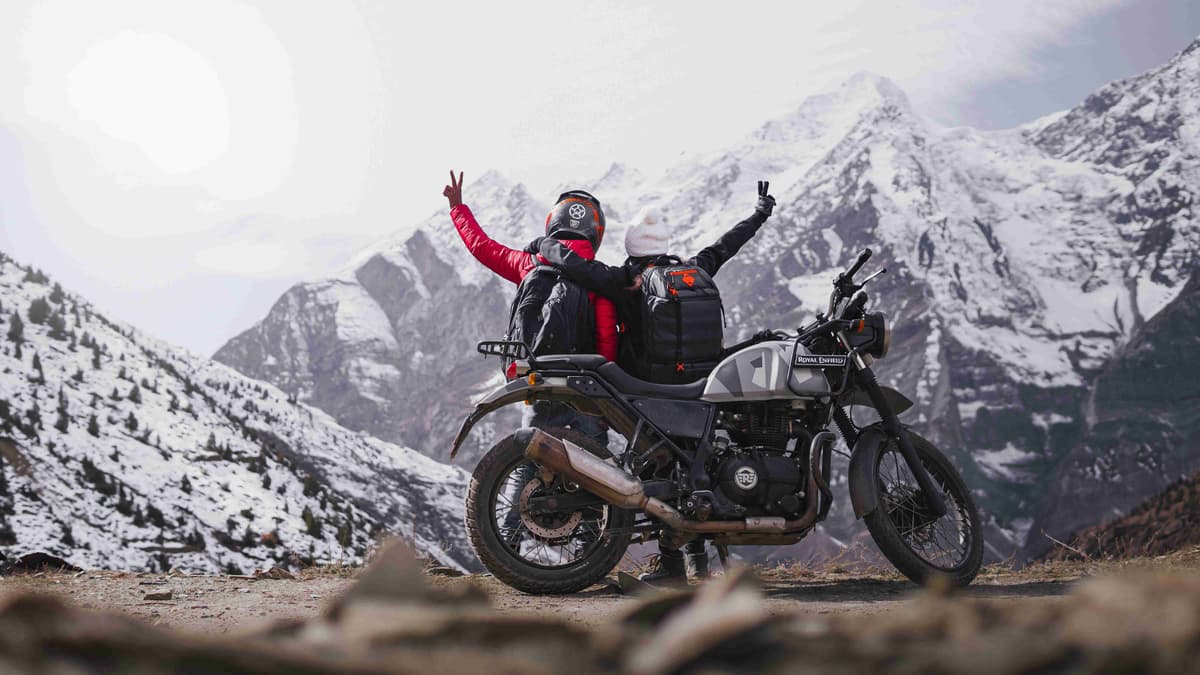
552,315
682,324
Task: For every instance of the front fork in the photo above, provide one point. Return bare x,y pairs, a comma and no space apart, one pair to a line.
891,425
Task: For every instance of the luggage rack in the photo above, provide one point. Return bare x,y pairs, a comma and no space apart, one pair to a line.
508,349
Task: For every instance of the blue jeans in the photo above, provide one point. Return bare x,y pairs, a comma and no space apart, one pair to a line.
550,414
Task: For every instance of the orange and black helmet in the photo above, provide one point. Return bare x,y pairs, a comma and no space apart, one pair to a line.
577,213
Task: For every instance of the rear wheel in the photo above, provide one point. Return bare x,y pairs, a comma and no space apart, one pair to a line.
921,546
547,552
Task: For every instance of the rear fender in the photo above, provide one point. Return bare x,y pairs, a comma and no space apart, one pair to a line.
546,389
864,490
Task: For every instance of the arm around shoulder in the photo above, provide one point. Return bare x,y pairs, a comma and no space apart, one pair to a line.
591,274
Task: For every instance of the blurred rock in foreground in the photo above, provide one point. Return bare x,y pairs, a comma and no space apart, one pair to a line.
392,621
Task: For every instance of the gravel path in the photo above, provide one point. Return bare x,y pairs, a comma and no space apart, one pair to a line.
221,604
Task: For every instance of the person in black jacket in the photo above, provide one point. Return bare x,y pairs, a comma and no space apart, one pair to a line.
647,243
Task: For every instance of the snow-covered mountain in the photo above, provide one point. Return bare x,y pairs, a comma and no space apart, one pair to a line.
122,452
1021,262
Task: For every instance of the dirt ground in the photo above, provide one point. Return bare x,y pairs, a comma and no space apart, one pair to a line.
224,604
399,616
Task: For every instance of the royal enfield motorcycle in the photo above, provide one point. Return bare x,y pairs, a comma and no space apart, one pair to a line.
742,457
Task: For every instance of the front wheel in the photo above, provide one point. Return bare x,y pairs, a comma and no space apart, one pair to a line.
921,546
540,553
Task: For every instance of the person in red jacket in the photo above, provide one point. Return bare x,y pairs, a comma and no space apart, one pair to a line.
578,223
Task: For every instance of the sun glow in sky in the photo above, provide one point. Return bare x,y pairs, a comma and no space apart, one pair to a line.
157,93
181,163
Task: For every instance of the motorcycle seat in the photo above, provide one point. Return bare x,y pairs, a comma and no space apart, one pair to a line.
628,384
570,361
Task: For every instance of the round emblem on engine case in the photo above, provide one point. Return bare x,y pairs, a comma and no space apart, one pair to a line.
746,478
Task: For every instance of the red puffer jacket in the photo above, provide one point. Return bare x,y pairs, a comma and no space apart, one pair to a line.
514,265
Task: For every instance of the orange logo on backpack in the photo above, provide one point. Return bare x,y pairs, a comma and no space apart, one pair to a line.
689,277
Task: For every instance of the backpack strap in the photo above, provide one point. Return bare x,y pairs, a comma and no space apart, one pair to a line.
678,323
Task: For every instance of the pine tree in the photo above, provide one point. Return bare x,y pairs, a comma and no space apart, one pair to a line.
135,394
34,415
37,366
185,484
16,329
311,486
78,376
311,524
56,294
63,422
58,327
115,395
39,311
131,422
93,426
95,356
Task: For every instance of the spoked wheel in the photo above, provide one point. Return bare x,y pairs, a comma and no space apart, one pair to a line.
918,544
556,552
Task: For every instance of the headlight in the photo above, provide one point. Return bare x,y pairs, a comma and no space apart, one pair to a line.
887,336
881,334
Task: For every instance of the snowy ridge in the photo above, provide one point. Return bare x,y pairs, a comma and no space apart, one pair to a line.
122,452
1020,263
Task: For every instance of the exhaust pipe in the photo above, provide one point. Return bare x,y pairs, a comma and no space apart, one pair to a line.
620,489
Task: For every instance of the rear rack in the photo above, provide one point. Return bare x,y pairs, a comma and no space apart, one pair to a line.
508,349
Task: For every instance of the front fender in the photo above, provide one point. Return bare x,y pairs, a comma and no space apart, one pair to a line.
864,489
897,401
550,388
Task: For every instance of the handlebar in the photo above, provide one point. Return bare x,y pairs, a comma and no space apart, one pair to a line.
862,260
843,285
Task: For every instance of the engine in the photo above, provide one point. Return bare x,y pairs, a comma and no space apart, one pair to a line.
763,480
753,470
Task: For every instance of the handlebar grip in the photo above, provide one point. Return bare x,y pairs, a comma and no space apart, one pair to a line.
862,260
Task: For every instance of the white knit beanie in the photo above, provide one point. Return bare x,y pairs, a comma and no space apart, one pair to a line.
648,234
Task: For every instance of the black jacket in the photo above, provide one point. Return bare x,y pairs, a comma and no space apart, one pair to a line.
612,281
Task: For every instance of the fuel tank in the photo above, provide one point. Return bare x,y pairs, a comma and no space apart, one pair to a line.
764,372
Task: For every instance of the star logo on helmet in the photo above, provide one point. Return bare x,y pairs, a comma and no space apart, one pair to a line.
577,211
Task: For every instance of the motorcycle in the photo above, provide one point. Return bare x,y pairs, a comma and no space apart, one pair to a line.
742,457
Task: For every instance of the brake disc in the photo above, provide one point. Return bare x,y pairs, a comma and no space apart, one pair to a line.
546,526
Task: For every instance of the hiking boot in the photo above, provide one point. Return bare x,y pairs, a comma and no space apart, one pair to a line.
667,570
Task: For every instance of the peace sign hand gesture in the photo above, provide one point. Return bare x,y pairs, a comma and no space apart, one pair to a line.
766,203
453,191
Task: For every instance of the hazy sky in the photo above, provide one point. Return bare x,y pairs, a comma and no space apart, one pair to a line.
183,163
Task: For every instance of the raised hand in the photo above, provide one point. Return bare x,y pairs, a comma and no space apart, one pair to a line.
766,203
453,191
